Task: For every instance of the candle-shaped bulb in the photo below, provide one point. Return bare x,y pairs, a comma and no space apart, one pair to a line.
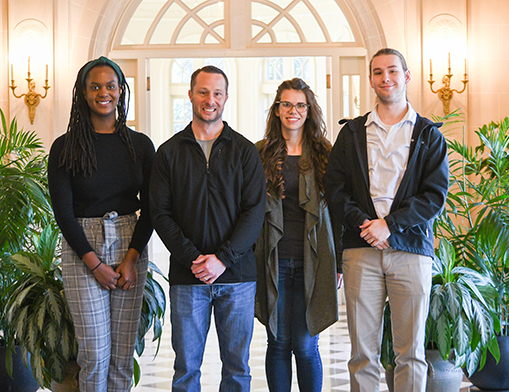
449,62
28,64
430,67
46,73
12,73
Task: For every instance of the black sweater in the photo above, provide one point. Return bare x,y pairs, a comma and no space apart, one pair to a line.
118,184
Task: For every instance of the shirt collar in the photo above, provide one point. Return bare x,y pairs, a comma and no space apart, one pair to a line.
410,116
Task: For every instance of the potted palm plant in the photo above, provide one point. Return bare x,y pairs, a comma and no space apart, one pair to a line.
476,224
24,207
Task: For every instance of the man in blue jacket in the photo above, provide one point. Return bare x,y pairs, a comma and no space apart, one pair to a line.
386,182
207,201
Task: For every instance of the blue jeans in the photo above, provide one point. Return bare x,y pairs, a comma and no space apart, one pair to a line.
191,310
292,336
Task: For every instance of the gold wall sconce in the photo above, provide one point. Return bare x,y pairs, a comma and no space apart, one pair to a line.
445,93
32,98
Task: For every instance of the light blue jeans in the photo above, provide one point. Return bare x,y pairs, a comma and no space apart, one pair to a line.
191,310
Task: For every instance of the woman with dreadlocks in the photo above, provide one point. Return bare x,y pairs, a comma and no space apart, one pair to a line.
296,295
98,175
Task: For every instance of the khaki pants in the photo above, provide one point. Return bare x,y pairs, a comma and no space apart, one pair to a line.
370,276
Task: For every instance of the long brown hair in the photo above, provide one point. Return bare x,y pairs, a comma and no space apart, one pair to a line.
315,146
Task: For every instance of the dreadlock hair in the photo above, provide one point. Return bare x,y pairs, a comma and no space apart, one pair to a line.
273,150
78,154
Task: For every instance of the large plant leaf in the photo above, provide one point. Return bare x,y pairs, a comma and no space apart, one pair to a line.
36,363
443,335
461,335
56,366
29,263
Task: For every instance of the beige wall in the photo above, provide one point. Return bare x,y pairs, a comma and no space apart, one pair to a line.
486,26
74,26
489,59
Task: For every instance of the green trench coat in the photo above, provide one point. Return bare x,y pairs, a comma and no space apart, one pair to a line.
319,261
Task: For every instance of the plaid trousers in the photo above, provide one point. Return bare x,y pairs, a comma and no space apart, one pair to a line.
105,322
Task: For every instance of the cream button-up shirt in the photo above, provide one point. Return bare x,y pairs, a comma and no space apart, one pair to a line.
388,150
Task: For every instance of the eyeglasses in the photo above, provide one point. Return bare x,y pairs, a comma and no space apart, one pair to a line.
301,107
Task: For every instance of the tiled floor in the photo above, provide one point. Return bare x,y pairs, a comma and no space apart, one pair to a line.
334,348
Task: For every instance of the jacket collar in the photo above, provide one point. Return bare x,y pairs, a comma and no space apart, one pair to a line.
358,127
226,133
358,124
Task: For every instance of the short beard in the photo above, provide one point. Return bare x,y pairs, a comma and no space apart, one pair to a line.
199,116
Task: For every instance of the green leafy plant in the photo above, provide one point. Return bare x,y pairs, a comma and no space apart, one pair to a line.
38,312
387,355
40,318
461,318
152,315
24,196
24,203
32,300
477,214
469,300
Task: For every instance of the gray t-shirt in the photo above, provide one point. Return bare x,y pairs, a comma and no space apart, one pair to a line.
206,146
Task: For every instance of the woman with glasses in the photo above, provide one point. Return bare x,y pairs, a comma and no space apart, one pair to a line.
297,274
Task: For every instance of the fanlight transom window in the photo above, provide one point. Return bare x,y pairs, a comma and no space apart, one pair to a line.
176,22
156,23
302,21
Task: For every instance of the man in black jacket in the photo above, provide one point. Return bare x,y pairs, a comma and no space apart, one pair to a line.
386,183
207,201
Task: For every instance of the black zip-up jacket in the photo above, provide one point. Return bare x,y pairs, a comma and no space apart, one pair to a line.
215,208
418,201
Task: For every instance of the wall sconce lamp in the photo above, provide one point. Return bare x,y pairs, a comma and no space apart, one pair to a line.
32,98
445,93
